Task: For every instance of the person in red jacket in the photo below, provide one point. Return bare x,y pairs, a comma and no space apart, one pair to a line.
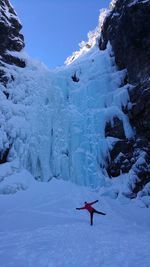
90,209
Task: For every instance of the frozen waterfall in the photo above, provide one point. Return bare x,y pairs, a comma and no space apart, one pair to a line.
63,131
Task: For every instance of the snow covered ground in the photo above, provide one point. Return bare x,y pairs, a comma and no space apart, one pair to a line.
40,227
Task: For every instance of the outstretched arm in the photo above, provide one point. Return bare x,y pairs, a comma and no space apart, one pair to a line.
93,202
82,208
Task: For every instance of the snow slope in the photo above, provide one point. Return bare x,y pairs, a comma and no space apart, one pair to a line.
40,227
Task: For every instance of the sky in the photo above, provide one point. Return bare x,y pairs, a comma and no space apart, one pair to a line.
54,28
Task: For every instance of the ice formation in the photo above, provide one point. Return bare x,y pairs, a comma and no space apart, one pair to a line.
58,125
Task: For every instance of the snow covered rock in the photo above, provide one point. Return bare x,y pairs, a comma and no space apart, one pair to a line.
121,158
11,59
115,128
11,42
140,111
126,27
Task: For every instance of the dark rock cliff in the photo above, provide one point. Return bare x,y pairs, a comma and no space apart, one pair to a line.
11,40
127,29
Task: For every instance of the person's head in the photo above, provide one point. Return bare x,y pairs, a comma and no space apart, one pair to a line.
85,202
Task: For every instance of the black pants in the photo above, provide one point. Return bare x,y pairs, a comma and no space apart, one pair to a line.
95,211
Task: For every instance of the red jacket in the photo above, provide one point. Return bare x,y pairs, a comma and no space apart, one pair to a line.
88,206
